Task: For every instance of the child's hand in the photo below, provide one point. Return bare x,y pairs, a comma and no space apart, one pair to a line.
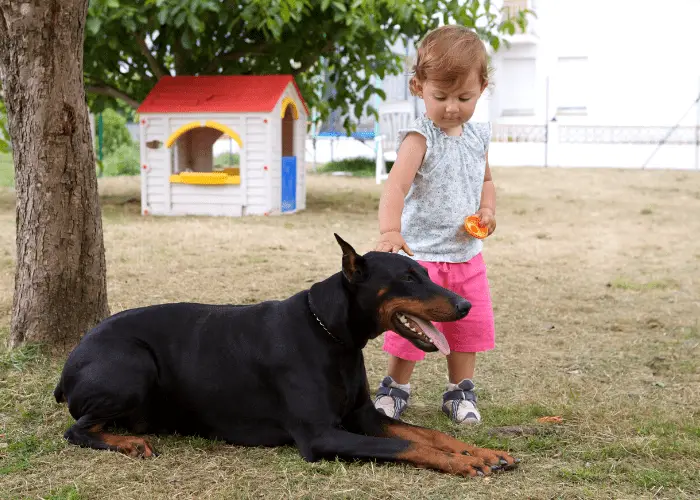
392,241
487,219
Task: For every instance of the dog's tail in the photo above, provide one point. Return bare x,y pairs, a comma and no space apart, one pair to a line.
58,392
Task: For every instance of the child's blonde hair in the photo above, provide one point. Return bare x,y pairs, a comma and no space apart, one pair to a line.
447,56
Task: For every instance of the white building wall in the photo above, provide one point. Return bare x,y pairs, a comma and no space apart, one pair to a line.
605,65
639,62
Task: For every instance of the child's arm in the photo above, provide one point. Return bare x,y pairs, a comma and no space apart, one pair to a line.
487,208
408,160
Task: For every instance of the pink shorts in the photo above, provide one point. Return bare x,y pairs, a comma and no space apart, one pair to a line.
473,333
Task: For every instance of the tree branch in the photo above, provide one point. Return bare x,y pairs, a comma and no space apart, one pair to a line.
101,88
158,70
255,50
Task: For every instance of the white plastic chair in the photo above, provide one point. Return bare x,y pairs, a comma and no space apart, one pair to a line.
392,118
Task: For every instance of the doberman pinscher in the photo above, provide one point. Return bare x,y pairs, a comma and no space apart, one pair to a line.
269,374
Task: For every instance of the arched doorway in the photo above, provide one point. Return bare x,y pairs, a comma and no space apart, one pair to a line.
289,114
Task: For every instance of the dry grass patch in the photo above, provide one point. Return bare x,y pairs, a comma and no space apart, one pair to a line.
597,321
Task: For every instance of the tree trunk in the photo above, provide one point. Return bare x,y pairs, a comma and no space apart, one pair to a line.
60,285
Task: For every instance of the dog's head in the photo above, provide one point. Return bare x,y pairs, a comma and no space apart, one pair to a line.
387,291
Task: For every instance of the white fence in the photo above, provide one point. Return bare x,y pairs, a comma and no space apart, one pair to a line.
555,145
595,146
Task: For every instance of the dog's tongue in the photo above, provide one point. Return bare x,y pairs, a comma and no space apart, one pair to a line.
433,333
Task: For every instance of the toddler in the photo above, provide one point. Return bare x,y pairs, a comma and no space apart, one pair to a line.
442,175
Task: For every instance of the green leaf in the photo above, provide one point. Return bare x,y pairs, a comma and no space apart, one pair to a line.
195,24
163,17
508,27
93,25
130,25
284,12
180,19
186,40
474,7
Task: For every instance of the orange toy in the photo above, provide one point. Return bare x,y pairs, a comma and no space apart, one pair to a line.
471,224
556,419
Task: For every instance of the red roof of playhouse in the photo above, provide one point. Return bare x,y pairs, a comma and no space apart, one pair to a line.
217,94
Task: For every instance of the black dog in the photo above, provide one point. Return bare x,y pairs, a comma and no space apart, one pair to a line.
270,374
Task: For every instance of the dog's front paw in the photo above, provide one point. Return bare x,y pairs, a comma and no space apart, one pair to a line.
472,466
136,447
497,459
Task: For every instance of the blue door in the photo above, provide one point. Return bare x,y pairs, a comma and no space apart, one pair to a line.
289,183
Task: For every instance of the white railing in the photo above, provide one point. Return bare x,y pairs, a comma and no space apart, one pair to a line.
518,133
595,134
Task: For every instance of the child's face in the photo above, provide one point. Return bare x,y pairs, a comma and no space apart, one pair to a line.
450,108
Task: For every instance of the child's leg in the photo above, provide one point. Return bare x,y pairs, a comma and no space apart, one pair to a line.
460,366
401,369
394,390
472,334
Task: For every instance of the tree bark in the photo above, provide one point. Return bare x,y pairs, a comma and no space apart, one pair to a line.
60,284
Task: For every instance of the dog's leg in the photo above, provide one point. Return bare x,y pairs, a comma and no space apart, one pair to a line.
369,421
442,441
87,432
343,444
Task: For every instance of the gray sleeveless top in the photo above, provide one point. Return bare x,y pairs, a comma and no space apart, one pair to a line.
446,189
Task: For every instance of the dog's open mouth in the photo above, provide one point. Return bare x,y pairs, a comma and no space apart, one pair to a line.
420,333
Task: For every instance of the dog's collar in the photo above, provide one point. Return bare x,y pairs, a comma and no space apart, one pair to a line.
311,308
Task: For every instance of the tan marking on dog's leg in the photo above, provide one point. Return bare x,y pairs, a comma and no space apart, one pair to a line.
445,442
132,446
427,457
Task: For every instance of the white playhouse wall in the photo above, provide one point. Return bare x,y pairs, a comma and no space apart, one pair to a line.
160,197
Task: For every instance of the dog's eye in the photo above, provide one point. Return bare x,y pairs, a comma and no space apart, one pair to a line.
409,278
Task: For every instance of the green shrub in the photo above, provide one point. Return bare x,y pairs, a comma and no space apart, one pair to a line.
115,134
362,167
5,142
124,161
227,159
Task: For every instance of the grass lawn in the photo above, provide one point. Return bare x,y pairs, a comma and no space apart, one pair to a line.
358,167
595,278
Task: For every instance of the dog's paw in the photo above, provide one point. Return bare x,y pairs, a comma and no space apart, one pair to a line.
473,466
497,460
136,447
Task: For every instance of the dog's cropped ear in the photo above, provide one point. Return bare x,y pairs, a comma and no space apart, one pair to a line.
354,268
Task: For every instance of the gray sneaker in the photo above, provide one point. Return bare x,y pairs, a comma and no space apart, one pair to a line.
459,403
391,399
